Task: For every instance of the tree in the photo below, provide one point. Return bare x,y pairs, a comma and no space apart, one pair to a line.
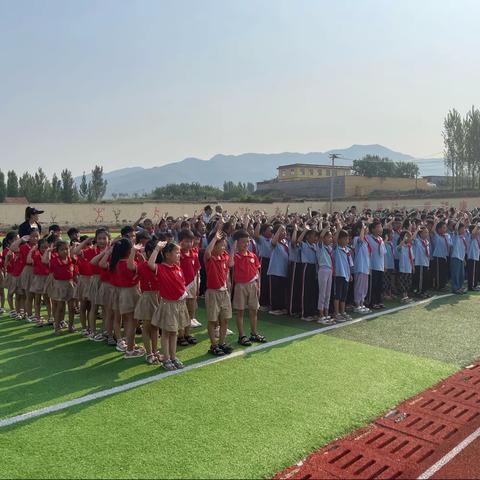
406,170
453,140
12,184
69,193
98,186
25,186
3,187
84,189
471,127
374,166
56,189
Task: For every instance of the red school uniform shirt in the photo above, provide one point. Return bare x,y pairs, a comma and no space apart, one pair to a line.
16,264
122,276
148,279
216,268
87,254
171,281
84,266
245,267
190,265
23,252
39,268
62,269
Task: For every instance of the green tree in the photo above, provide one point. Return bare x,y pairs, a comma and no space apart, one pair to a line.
56,189
374,166
406,170
12,184
84,189
25,186
471,127
98,185
3,187
69,193
454,147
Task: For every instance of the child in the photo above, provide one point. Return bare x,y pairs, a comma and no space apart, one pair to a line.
308,254
125,292
343,265
171,314
245,266
442,244
421,254
263,239
278,271
217,298
457,258
325,275
361,267
406,265
39,281
190,266
10,266
295,276
84,277
146,306
473,257
10,237
389,277
377,264
63,271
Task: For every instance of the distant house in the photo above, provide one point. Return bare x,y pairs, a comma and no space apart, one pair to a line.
16,200
307,171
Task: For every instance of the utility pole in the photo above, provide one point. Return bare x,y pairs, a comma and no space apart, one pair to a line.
332,156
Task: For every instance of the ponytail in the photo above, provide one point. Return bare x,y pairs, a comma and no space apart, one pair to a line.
121,249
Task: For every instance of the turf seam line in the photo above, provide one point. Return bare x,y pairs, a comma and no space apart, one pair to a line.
144,381
450,455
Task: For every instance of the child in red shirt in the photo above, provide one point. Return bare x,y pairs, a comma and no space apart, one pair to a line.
246,286
217,295
190,266
172,313
39,280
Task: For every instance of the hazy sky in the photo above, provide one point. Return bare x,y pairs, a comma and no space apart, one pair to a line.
147,82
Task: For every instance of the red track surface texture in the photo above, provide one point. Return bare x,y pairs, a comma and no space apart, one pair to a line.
408,440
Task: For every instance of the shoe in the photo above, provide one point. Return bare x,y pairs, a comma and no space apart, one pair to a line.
177,363
121,346
339,318
85,332
476,289
275,312
226,349
135,353
216,350
2,310
111,341
308,319
264,309
358,310
366,310
195,323
229,332
347,317
168,365
100,337
12,314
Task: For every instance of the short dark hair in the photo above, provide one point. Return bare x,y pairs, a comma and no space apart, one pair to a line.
239,234
72,231
126,230
185,234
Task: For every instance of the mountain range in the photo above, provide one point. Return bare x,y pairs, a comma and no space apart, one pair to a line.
246,167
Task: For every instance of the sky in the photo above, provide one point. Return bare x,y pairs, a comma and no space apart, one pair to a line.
143,83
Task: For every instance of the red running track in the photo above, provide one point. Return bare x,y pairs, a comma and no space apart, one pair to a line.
414,440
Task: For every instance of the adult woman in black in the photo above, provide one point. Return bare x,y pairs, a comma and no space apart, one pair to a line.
31,222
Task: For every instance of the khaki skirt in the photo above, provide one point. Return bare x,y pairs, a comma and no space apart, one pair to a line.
63,290
93,289
15,285
146,306
125,299
49,285
171,315
106,295
82,287
26,277
39,284
10,283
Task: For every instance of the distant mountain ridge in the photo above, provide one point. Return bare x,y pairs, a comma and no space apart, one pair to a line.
246,167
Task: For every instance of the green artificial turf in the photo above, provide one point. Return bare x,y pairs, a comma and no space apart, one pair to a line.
248,417
38,369
447,330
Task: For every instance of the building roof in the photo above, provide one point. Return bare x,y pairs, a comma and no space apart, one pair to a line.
313,165
16,200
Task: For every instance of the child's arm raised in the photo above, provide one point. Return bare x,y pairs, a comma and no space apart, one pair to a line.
80,246
15,246
276,237
217,237
139,221
47,255
30,253
152,261
131,265
103,263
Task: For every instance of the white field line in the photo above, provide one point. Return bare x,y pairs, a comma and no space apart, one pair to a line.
450,455
238,353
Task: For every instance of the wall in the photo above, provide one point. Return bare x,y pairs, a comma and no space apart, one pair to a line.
82,215
361,186
316,188
309,172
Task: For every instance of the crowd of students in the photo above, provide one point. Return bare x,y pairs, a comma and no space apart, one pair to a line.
311,265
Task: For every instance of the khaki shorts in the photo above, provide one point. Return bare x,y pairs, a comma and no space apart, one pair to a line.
245,296
146,306
126,299
171,315
218,305
63,290
83,287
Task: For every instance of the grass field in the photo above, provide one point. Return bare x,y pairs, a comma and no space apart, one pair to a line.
246,417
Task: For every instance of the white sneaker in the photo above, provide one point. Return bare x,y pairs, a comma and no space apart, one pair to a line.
195,323
275,312
229,332
264,309
2,310
366,310
12,314
308,319
121,346
358,310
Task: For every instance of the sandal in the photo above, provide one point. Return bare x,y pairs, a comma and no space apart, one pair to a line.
226,349
177,363
216,350
41,323
168,365
159,356
182,341
257,338
152,359
191,339
244,341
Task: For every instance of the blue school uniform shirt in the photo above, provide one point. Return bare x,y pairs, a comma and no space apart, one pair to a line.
294,254
459,247
361,257
404,260
308,252
264,247
441,245
421,252
279,260
389,256
377,255
324,257
474,248
343,263
395,237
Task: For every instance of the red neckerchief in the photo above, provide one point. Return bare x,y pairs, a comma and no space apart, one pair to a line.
284,244
378,241
425,247
464,243
445,239
347,253
409,248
